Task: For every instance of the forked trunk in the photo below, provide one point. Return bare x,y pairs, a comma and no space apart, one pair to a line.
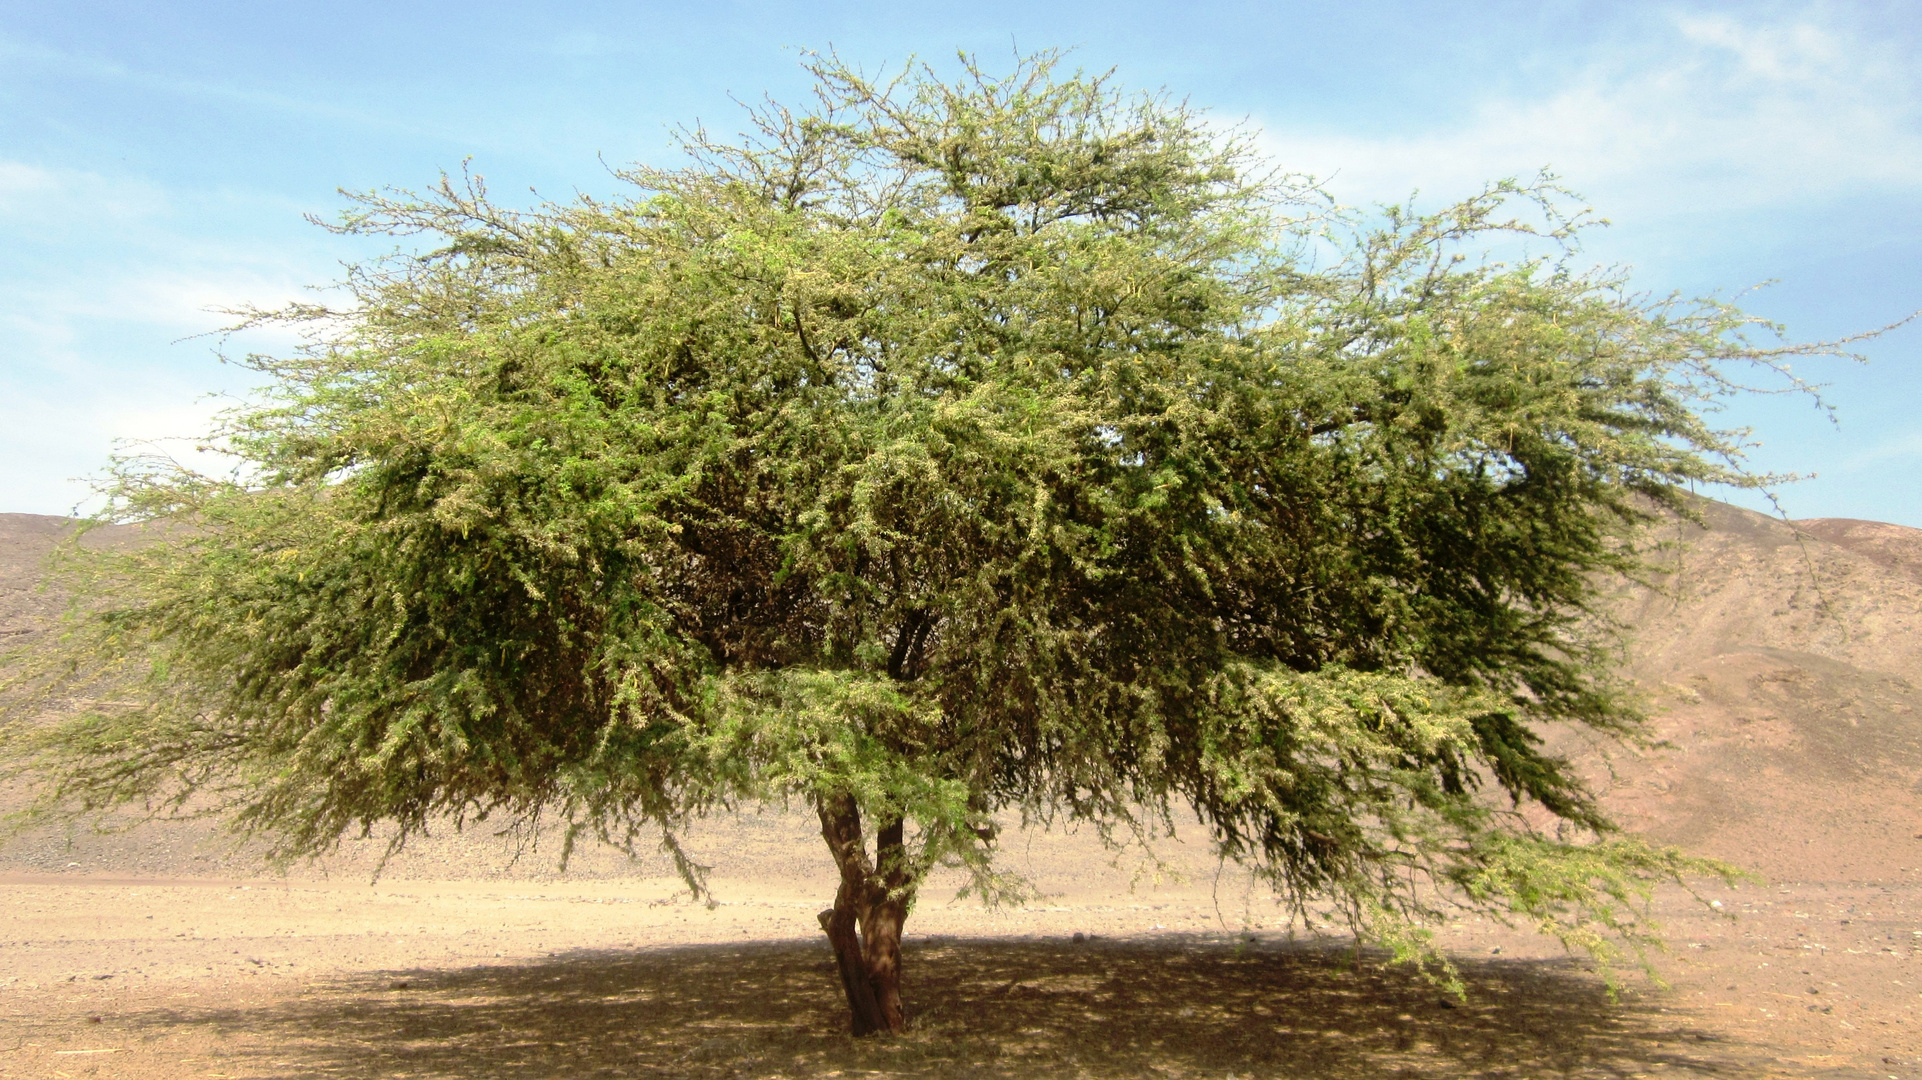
864,925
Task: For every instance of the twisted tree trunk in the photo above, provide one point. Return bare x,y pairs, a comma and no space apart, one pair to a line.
864,925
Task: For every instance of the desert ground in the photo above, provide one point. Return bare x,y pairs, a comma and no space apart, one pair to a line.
1777,663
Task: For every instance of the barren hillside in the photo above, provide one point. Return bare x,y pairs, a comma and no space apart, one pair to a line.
1781,664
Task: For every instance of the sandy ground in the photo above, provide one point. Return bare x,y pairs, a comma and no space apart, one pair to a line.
183,977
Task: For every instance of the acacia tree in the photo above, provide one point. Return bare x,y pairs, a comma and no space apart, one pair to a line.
943,450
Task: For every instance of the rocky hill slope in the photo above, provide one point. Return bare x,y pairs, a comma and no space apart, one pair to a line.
1782,664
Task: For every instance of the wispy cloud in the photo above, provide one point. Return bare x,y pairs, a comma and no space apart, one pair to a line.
72,65
42,200
110,273
1702,113
586,44
122,250
57,444
1902,447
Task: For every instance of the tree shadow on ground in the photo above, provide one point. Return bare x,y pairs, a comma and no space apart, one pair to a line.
983,1009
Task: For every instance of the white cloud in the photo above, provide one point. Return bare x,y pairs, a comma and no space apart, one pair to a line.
109,273
41,202
1702,114
586,44
1906,445
193,302
376,116
55,443
17,180
97,250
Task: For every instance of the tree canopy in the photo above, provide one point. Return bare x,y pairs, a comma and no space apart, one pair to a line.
944,449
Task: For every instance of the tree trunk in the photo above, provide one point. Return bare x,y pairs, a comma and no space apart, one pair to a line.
881,930
864,925
839,923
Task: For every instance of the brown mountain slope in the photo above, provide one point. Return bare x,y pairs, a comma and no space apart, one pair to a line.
1781,662
25,542
1846,590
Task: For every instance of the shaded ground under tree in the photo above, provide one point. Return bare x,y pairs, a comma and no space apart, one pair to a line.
987,1008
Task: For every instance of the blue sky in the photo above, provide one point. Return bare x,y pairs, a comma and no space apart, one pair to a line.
156,160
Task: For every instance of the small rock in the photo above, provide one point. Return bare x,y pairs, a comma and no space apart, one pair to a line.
401,985
1079,937
93,1019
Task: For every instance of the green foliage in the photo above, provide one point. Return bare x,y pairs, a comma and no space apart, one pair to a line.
1004,443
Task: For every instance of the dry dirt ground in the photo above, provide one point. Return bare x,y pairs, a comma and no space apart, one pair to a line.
1789,741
